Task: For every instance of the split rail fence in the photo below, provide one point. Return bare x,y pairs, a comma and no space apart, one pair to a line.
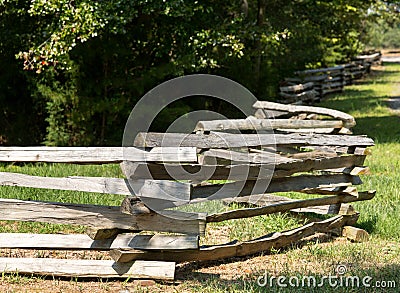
310,151
310,86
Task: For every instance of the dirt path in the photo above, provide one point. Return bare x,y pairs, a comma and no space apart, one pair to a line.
228,275
391,59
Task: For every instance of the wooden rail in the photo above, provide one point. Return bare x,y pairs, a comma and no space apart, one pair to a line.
306,149
310,86
96,155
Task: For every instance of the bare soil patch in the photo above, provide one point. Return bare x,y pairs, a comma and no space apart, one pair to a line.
215,276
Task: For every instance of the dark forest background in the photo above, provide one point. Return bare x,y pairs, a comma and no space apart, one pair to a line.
71,71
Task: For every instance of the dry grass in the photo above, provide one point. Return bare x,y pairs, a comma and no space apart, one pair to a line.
378,258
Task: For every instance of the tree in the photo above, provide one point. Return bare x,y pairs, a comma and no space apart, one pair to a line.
94,59
87,62
21,116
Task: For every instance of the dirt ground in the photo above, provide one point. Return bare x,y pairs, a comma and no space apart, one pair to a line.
228,273
221,276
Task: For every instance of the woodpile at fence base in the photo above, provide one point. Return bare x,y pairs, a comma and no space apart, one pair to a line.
310,86
307,149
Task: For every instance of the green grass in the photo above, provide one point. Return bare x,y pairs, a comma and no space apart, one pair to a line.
60,170
378,258
55,170
366,101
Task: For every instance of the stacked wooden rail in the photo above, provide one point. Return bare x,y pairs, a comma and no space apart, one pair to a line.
304,93
368,59
326,80
168,170
107,226
307,156
309,86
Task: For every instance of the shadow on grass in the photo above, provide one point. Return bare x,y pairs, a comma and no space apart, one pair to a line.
351,100
369,81
384,129
369,225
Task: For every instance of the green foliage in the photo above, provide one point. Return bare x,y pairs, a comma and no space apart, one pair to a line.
21,116
377,258
67,24
87,62
382,35
391,38
61,101
384,31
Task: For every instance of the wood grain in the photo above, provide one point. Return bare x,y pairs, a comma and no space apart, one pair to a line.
285,184
237,171
157,270
355,234
158,189
96,216
82,241
287,206
237,249
346,118
229,140
96,155
265,124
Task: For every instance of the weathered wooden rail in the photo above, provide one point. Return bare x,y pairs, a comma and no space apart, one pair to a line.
310,86
368,59
304,93
308,150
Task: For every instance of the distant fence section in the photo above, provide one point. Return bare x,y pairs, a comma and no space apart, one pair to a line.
310,86
310,151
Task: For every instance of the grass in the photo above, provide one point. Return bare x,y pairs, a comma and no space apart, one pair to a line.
378,258
241,229
366,101
55,170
